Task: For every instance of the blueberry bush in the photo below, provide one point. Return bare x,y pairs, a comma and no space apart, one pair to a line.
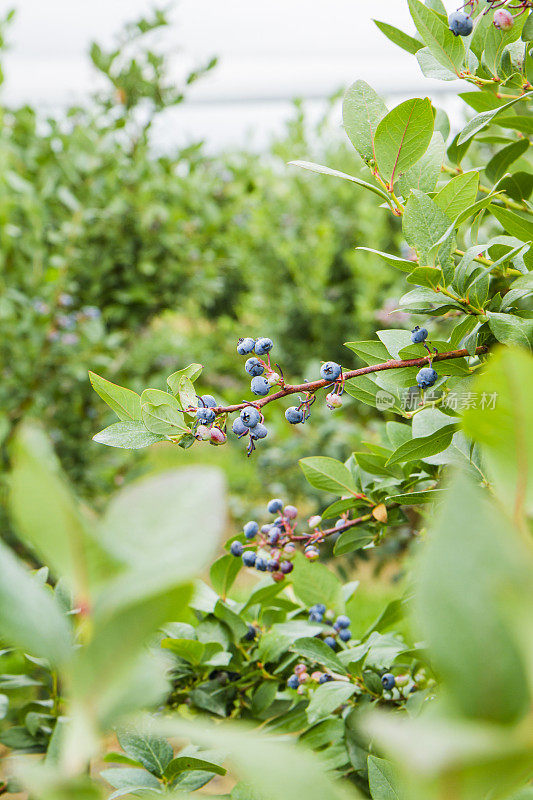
261,676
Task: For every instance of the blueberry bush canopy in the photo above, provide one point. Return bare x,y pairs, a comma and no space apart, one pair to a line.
268,664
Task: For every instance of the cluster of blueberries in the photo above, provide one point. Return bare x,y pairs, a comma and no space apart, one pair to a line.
427,376
341,625
301,676
205,417
263,376
462,24
271,547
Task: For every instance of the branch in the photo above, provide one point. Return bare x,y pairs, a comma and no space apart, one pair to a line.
313,386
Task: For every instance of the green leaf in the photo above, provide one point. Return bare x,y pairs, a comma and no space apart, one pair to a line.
458,194
383,779
402,137
398,37
481,121
516,123
511,330
353,539
520,288
362,110
424,446
513,224
474,561
161,412
444,46
372,352
425,173
186,393
336,174
188,649
394,261
223,573
503,425
30,617
432,68
263,697
316,650
328,474
125,403
153,752
129,779
328,697
188,763
128,435
424,226
418,498
502,160
315,583
496,42
193,371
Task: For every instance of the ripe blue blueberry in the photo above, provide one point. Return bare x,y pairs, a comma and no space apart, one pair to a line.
426,377
236,549
205,415
250,416
250,529
418,335
320,608
245,346
342,621
238,427
330,371
460,23
261,563
294,415
248,558
325,678
273,536
260,386
274,505
254,367
208,400
258,432
293,682
250,635
345,635
286,567
263,346
314,616
272,565
330,641
388,681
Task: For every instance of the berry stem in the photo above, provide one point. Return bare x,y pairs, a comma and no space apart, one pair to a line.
313,386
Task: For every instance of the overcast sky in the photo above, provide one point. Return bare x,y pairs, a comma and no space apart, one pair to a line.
268,51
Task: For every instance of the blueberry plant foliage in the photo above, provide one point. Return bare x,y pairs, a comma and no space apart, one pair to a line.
433,699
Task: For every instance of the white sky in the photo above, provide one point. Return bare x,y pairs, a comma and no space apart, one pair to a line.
269,52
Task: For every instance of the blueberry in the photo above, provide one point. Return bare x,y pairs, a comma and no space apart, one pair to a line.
258,432
293,682
314,616
503,19
345,635
236,549
330,641
272,565
205,415
263,346
320,608
418,335
245,346
250,416
248,558
273,537
238,427
250,529
460,23
274,505
388,681
330,371
266,528
208,400
325,679
312,553
286,567
342,621
259,386
261,563
250,635
426,377
254,367
294,415
278,522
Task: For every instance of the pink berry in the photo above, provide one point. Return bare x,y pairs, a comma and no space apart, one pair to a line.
278,576
315,676
503,19
218,436
333,400
203,433
290,512
299,668
315,521
303,677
